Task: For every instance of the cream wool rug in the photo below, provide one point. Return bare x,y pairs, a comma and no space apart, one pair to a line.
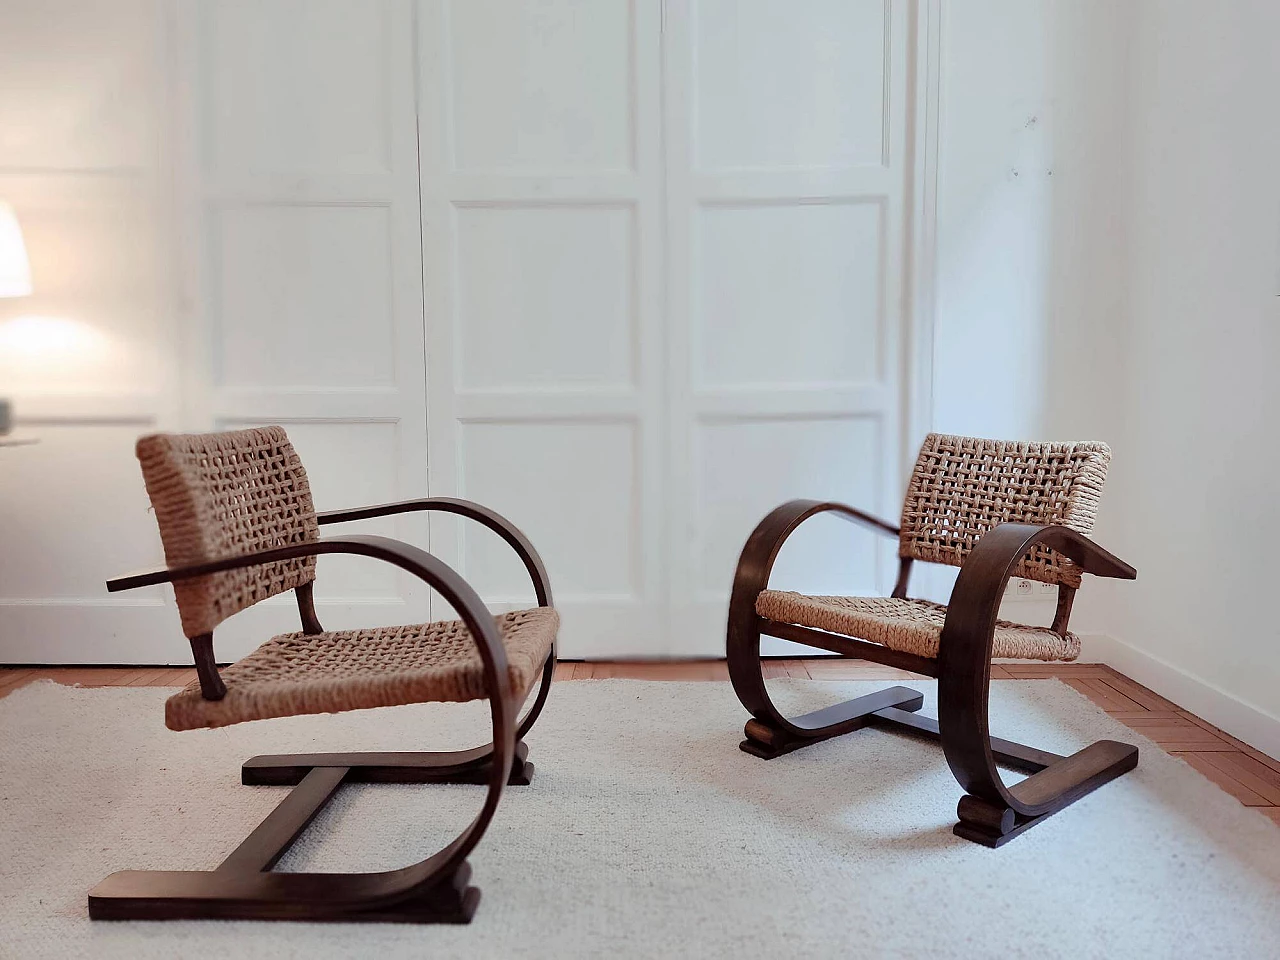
646,832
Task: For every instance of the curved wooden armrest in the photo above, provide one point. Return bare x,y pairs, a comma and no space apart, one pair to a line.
991,562
761,549
432,571
755,564
499,524
979,588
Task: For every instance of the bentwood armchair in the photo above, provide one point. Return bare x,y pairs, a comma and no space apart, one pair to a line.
238,526
995,510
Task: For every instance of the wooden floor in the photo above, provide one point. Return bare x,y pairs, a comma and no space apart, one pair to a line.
1250,776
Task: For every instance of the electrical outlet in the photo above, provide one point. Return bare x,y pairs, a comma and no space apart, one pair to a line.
1021,588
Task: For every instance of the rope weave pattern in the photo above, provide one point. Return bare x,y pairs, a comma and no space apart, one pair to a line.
220,495
297,673
962,487
910,626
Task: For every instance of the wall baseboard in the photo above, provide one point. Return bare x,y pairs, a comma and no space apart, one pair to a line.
1253,725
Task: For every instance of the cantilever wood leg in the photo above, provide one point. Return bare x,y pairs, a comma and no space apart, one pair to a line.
1055,782
1051,790
243,887
467,766
241,895
771,738
991,813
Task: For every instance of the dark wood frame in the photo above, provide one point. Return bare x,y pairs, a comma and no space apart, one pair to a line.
990,813
434,890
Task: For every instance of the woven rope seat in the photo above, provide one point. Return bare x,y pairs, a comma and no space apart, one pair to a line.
223,494
297,673
910,626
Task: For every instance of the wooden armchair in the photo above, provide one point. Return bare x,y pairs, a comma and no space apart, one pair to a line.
995,510
238,526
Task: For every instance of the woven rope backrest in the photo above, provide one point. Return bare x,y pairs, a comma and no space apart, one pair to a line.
961,487
223,494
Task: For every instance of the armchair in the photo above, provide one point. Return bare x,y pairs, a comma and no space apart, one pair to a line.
995,510
236,518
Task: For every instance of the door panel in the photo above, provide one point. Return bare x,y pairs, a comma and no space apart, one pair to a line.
539,86
789,85
816,267
575,485
786,178
747,467
541,226
301,181
546,298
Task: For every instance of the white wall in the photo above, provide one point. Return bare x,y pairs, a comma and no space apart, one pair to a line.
1030,239
1130,297
1201,506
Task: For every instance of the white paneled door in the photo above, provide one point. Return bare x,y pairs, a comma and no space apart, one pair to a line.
786,177
663,259
630,272
305,267
542,218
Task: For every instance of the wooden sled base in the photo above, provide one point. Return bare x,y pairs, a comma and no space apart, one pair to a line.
244,887
467,766
1055,780
229,895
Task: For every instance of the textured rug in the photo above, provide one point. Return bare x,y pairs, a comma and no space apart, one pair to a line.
646,832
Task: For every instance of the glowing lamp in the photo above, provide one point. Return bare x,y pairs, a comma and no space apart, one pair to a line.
15,268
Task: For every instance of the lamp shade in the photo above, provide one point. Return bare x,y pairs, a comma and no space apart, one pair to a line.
15,269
